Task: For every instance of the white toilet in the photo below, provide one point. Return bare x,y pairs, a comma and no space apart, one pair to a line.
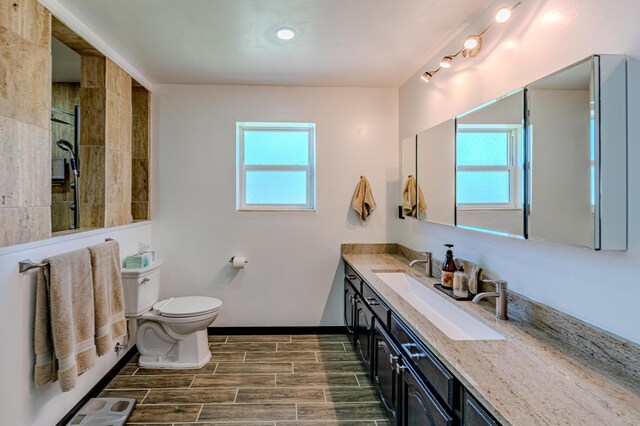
172,333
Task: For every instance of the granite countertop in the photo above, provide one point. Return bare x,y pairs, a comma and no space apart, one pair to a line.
522,380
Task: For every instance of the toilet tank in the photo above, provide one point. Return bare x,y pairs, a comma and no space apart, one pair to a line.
141,288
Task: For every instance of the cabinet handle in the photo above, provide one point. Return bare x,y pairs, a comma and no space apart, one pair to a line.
400,368
413,355
351,276
371,301
392,359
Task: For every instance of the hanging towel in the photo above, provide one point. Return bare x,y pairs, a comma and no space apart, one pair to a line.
411,202
71,315
362,200
45,368
110,323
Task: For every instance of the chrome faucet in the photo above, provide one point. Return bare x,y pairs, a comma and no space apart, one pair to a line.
501,298
426,261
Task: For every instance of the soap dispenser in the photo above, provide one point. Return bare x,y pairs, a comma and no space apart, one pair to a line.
461,283
448,268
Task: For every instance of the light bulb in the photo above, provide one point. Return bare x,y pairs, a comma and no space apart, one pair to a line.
426,76
285,33
471,42
446,62
503,14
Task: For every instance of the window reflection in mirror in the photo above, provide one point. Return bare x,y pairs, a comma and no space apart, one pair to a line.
489,167
436,173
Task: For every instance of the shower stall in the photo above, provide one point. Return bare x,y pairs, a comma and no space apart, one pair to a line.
65,168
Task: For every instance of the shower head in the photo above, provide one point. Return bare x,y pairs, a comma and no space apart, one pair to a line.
66,145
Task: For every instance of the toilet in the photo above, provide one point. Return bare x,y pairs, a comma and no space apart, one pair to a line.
171,333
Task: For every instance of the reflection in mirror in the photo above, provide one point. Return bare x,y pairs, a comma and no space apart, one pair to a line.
436,178
489,167
65,118
562,151
408,173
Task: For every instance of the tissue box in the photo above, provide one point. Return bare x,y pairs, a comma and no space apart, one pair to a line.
138,261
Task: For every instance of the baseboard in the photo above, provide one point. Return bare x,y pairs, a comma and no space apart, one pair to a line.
276,330
99,387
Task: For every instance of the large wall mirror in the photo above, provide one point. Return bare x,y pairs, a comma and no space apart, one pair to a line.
436,177
577,146
489,167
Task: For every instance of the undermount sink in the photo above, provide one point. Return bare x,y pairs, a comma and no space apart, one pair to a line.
449,318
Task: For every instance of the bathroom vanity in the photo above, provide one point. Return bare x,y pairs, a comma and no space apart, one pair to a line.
503,372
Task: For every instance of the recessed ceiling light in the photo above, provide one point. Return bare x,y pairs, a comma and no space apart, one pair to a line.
503,14
285,33
446,62
471,42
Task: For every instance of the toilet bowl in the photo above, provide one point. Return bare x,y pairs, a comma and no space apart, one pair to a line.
171,333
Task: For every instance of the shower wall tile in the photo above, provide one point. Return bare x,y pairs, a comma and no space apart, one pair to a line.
61,216
92,187
92,72
26,87
92,215
24,224
25,164
140,210
140,180
92,124
27,19
118,214
141,105
118,81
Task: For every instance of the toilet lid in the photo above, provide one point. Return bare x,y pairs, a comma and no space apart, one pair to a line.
187,306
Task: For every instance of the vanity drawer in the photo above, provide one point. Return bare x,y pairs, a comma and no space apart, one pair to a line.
438,377
351,276
377,306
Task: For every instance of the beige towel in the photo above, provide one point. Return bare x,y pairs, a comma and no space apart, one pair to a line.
71,314
45,367
362,200
475,274
412,197
110,323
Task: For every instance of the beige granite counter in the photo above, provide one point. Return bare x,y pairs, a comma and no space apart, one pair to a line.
524,379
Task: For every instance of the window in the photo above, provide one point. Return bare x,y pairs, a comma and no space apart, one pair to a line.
487,172
276,166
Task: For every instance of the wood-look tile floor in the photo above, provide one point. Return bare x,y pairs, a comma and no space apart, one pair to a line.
266,380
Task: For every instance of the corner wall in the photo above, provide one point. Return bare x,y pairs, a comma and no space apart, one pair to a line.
598,287
294,275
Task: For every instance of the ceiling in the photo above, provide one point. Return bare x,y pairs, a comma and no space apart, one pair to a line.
65,67
378,43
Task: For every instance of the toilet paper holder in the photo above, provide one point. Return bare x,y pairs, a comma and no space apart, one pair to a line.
233,257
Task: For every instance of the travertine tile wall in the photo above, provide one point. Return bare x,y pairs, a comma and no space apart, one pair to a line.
105,140
64,96
141,104
25,101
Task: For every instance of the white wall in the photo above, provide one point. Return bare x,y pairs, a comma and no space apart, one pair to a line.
294,273
599,287
20,402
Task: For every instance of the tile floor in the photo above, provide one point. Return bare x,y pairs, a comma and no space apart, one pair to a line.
267,380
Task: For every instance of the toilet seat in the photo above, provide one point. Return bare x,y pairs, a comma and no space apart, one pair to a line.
187,306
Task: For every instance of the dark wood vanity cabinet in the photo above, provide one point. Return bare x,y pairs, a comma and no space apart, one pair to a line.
364,332
414,385
419,406
385,370
350,309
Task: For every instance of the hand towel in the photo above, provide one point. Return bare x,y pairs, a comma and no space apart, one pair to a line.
362,201
475,274
45,368
71,314
110,323
412,198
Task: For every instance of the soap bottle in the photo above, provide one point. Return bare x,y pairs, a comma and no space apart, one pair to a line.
461,283
448,268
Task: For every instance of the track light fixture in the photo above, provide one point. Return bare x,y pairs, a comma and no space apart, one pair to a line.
472,43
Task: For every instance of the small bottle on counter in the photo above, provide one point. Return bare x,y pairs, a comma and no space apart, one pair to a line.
448,268
461,283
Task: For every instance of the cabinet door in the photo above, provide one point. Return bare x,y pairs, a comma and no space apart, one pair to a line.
419,406
363,332
385,375
349,309
475,414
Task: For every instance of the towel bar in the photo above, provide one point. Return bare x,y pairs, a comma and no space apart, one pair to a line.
27,264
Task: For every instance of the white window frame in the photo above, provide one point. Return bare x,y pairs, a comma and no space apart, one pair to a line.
242,168
513,156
